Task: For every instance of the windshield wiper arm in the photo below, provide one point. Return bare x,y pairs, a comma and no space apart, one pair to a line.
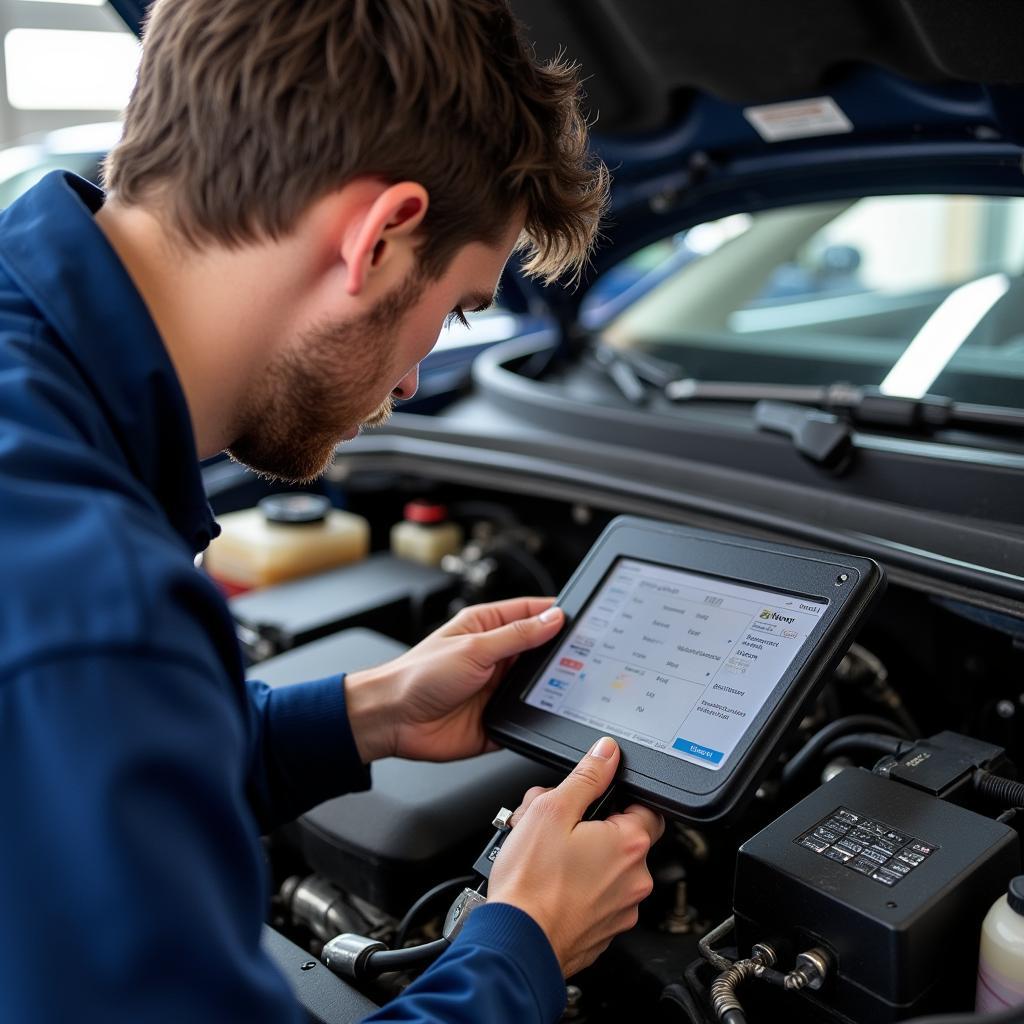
822,437
864,405
633,373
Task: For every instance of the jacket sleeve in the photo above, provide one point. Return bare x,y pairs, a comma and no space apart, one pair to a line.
500,969
302,749
131,873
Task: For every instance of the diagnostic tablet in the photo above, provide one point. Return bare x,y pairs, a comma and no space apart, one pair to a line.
696,651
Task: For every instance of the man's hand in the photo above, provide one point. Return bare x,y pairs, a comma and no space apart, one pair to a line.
581,881
428,703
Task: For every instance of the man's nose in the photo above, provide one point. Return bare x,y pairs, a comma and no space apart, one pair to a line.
408,385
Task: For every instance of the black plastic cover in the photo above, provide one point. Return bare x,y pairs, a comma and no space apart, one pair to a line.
383,592
419,825
903,945
324,996
944,765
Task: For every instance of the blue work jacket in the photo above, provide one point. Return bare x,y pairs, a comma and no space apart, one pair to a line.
138,768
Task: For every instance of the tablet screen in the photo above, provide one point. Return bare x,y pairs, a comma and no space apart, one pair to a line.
674,660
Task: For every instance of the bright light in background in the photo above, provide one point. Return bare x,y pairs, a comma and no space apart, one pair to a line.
484,328
57,69
706,238
943,333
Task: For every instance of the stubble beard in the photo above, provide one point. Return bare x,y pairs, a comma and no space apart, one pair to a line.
317,391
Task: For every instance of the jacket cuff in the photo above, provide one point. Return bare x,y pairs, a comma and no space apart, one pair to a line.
310,727
510,931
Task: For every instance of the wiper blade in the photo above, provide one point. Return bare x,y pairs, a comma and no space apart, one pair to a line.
864,405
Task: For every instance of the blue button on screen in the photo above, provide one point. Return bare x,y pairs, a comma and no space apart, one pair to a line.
696,750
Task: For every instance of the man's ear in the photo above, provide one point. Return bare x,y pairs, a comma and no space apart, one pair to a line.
395,214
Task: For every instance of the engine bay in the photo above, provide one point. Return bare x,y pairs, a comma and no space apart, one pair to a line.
871,852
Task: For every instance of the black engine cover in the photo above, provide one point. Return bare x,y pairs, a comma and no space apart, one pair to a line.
420,823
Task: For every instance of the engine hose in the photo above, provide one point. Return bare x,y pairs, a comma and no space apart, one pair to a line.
1004,791
803,758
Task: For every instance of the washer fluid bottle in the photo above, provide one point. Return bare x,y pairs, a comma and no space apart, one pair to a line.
426,534
286,536
1001,959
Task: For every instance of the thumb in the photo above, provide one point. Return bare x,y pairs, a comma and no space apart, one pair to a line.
522,635
590,778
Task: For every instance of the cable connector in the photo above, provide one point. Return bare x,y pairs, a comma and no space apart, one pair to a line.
812,968
347,954
502,822
467,901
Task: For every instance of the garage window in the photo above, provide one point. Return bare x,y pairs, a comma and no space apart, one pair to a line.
59,69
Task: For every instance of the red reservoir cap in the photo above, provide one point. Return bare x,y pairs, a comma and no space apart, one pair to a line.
425,512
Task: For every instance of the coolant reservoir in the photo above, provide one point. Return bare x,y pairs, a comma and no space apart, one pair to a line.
286,536
1001,960
426,535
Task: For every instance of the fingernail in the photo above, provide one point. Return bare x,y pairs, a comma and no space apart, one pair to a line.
603,748
549,614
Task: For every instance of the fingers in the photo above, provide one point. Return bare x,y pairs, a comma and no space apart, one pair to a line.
530,795
493,614
589,779
650,821
517,636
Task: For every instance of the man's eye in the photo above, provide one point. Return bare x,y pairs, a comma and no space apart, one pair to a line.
456,315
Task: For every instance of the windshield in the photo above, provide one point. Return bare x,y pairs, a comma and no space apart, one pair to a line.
915,294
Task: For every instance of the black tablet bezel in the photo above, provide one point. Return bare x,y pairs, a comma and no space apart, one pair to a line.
849,584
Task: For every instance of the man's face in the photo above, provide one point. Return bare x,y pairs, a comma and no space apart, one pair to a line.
340,374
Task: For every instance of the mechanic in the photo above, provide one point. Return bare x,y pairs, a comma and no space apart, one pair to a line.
303,192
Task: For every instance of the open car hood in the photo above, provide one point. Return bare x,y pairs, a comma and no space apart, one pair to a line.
900,95
701,109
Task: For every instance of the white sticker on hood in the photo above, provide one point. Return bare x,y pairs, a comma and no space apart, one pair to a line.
798,119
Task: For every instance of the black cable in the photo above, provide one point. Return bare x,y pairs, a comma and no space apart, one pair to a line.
865,741
402,931
821,739
385,961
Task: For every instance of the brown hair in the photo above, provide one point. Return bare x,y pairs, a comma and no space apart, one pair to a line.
247,111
